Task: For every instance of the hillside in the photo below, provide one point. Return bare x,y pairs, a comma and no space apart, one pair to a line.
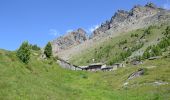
44,79
133,48
109,51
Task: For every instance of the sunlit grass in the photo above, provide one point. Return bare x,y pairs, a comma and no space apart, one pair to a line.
43,80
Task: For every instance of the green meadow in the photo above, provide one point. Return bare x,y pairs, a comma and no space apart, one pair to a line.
46,80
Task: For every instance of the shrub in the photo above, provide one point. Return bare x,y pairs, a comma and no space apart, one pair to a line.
146,55
23,53
156,51
122,42
48,50
134,35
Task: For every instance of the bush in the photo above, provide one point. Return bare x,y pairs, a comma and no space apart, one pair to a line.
23,53
122,42
48,50
120,57
148,30
156,51
146,55
134,35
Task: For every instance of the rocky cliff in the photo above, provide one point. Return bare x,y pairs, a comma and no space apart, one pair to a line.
137,17
69,40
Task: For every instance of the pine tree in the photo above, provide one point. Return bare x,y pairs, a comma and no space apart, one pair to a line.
48,50
23,53
167,33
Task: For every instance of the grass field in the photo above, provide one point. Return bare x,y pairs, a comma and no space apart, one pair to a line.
45,80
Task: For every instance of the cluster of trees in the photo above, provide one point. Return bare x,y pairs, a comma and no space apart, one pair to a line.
152,51
137,47
122,42
124,54
167,32
24,52
148,30
156,50
120,57
134,35
164,43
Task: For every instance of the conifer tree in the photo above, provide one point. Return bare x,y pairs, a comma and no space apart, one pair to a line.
48,50
23,53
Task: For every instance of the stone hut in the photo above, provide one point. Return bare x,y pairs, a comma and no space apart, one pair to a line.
119,64
110,68
93,67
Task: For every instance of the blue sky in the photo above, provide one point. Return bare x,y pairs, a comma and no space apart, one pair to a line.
39,21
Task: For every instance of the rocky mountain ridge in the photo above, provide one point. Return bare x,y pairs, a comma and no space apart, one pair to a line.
138,16
122,21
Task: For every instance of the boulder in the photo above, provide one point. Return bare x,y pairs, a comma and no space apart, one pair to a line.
138,73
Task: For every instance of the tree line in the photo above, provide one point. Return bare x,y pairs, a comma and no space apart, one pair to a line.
158,49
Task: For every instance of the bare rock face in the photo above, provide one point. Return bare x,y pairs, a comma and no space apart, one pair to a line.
137,17
70,39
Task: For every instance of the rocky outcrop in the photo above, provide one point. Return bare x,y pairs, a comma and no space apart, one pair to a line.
137,17
140,72
70,39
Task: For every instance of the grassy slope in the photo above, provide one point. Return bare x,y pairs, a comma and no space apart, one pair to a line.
106,51
45,80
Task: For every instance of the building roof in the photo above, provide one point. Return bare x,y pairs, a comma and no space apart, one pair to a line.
117,63
96,64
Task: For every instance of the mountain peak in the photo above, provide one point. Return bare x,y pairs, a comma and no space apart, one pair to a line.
124,19
70,39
